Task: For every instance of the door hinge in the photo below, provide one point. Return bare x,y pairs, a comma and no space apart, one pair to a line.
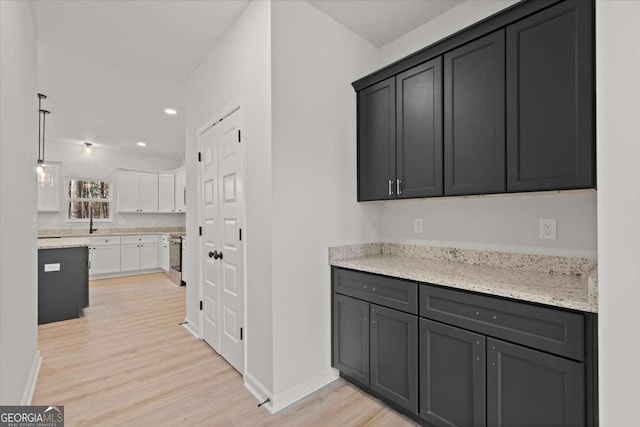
240,334
239,139
199,231
200,305
199,156
240,236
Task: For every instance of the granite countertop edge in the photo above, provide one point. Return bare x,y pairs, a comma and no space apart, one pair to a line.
64,242
573,292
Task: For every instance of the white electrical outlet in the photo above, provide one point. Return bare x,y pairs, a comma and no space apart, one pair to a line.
418,226
548,229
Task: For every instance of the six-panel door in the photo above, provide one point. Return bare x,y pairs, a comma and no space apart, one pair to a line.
351,337
419,131
550,123
394,356
474,121
377,141
452,375
530,388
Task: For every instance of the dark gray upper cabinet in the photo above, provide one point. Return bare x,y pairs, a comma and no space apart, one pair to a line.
419,131
394,356
474,119
550,99
452,376
376,141
351,337
554,394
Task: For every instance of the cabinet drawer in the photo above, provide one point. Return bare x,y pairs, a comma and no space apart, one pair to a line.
127,240
106,240
555,331
386,291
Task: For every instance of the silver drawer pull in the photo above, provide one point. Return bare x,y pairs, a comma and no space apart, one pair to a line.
390,187
398,190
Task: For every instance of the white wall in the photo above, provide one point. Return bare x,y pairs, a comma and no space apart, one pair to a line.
239,67
314,61
18,249
102,165
506,222
618,89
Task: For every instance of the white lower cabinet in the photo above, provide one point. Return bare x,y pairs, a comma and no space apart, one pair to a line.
105,259
130,257
139,253
116,254
164,254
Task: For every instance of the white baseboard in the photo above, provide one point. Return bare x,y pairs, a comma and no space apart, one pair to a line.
189,326
258,390
281,400
27,397
126,274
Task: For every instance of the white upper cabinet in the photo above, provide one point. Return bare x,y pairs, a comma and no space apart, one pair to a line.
128,191
166,192
180,190
148,192
49,191
137,192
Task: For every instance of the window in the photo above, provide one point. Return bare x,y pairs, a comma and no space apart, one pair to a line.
88,197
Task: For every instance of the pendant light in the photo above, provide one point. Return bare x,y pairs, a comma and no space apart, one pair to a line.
87,150
44,171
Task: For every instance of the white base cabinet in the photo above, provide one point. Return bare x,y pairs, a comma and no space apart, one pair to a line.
124,254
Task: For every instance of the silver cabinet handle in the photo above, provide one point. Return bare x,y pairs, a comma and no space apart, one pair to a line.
398,190
391,187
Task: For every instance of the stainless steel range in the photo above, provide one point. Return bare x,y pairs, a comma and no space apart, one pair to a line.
175,260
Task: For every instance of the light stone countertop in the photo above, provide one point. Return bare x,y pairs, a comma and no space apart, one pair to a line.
64,242
572,291
76,232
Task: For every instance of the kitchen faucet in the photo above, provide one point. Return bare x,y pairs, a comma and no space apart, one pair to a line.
91,229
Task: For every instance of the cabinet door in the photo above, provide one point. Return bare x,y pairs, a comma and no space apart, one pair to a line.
452,375
394,356
530,388
550,99
148,192
130,256
181,191
148,256
474,120
105,259
351,337
164,256
419,131
128,191
377,141
166,192
49,193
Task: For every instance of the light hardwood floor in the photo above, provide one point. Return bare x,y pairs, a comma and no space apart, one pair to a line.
128,362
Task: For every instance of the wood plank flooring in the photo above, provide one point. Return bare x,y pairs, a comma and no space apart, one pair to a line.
128,362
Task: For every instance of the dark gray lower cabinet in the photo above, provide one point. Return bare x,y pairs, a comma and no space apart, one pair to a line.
351,337
394,356
530,388
452,375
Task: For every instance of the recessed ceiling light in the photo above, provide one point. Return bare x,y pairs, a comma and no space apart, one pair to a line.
170,111
141,144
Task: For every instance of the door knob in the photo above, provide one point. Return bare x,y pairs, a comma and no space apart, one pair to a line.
213,255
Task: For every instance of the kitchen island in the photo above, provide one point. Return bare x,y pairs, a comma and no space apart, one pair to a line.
63,278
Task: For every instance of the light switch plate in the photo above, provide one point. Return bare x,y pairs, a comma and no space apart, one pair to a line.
418,226
51,267
548,229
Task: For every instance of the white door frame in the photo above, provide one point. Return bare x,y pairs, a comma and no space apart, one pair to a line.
227,111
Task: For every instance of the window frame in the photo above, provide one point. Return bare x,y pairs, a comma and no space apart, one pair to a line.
68,199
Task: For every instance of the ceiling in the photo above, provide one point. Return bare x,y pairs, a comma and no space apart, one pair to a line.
110,68
382,21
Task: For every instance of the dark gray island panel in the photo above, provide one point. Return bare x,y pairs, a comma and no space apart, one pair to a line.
62,294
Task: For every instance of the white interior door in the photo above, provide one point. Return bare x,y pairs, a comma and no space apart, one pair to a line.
222,244
232,261
209,142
